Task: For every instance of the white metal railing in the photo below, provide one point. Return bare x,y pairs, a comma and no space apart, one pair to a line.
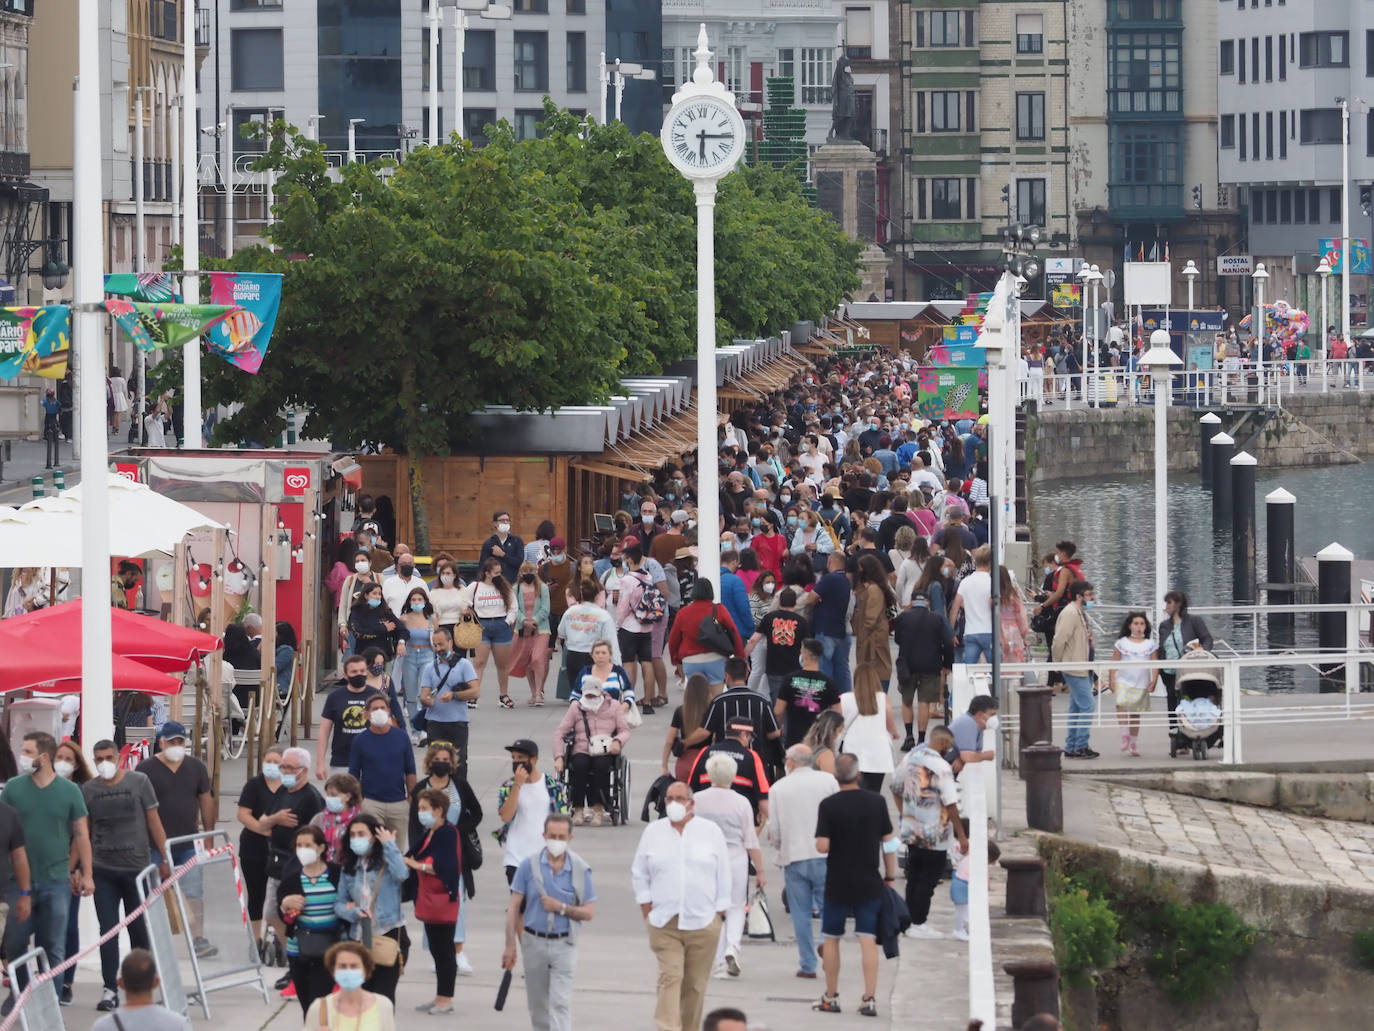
1246,385
977,783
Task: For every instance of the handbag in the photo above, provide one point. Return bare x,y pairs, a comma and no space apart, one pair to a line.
470,845
599,744
633,717
312,943
757,923
385,950
276,862
714,636
1043,621
432,902
467,632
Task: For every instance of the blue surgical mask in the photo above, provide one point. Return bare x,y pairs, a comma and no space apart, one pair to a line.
791,520
360,846
334,803
1049,570
374,603
349,980
426,817
756,521
1088,603
727,546
271,771
417,606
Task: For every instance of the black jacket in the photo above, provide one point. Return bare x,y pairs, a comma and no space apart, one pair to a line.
468,821
924,642
1190,628
893,918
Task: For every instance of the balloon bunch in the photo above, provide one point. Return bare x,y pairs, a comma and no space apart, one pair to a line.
1282,321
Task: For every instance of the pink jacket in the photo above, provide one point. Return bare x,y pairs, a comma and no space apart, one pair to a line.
609,719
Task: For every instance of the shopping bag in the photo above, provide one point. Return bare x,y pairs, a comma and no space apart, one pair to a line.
564,688
757,923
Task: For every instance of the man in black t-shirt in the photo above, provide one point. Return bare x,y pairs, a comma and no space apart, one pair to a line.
736,702
751,780
343,718
783,630
854,833
805,695
868,545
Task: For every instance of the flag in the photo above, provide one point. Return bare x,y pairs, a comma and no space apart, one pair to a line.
1154,251
1140,253
152,326
1166,250
241,339
142,286
1126,255
35,341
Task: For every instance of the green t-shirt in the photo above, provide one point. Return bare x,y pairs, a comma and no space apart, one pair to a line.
47,815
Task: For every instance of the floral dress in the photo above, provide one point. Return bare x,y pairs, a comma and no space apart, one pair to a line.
1133,685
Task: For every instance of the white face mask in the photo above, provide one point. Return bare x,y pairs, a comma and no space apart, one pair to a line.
379,717
677,811
175,753
307,856
593,703
556,848
362,567
64,769
106,770
503,528
769,588
26,764
446,579
993,723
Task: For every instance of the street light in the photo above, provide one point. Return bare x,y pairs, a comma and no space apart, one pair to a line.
489,11
1324,270
1160,361
628,70
1085,275
1095,283
353,138
1345,103
1190,273
1261,277
54,269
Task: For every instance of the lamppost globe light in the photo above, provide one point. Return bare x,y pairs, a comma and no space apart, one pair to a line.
1033,234
1030,268
1190,270
1085,272
1323,267
1261,273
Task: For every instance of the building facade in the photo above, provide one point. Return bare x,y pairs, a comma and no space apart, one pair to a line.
984,140
1143,140
1281,68
634,33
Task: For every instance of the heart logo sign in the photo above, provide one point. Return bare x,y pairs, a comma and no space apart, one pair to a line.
296,480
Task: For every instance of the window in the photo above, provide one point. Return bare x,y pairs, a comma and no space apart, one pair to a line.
734,70
1283,135
361,53
1030,117
530,7
479,62
1244,127
424,123
945,28
1030,33
1269,136
1314,206
1030,202
1269,58
1240,53
1319,125
424,64
1146,10
944,111
577,6
1299,207
527,123
1143,74
1145,166
1226,58
817,63
1271,206
667,73
1285,207
1283,58
1228,132
1254,136
254,5
256,59
858,32
1333,201
577,62
1369,133
1369,53
787,62
1324,50
1257,206
475,121
531,61
945,199
246,116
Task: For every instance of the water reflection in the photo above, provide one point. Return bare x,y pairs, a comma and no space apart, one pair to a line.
1112,522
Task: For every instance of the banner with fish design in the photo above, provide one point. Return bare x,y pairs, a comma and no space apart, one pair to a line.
35,341
947,392
152,326
242,337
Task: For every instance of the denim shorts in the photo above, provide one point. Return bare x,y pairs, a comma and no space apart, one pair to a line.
497,631
713,670
865,915
958,891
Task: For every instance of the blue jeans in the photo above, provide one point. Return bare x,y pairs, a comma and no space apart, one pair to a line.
47,924
113,888
1080,711
976,647
805,882
835,661
413,663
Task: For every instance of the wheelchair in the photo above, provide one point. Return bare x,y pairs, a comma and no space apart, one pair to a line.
618,805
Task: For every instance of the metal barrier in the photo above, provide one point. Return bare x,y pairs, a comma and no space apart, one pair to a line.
231,976
40,1010
161,942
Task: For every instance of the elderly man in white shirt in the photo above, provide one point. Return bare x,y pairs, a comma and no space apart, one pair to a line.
791,830
732,813
396,587
681,877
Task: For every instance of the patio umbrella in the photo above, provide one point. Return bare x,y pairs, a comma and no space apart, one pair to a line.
154,643
28,667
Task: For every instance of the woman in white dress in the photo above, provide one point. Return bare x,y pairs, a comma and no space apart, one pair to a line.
869,729
1132,687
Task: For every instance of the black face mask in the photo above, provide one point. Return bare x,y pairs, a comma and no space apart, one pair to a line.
529,767
377,670
441,769
528,578
405,571
357,680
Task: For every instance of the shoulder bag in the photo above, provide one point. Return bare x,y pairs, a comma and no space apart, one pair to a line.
385,950
597,744
715,637
467,632
432,902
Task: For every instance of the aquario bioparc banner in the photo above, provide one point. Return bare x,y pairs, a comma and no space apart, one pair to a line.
35,341
237,324
948,393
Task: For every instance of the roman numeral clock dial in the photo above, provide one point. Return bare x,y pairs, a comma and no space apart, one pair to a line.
703,137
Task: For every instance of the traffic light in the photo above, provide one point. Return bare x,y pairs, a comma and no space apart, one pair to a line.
1197,197
1366,200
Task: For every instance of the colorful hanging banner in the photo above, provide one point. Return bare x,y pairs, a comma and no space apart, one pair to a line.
1065,295
35,341
142,286
152,326
964,356
958,336
241,339
947,393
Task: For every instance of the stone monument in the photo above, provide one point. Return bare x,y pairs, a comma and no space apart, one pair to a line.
846,178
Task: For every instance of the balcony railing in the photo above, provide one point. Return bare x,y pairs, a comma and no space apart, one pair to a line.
202,26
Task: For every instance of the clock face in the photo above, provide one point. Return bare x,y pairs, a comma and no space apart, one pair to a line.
703,137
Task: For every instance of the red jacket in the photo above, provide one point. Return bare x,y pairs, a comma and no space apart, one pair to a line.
682,641
770,551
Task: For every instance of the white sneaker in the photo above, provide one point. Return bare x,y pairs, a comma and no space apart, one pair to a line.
464,967
922,931
732,961
720,972
960,934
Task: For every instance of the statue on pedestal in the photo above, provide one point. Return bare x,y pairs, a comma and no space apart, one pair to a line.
842,101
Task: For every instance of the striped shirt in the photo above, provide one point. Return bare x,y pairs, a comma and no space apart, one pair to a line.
318,914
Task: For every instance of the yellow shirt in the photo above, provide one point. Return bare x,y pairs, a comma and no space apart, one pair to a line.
377,1017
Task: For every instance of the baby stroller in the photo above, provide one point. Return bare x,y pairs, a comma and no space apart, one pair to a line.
1199,705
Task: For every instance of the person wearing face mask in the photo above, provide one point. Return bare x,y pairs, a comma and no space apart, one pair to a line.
417,617
557,572
367,565
446,595
254,838
534,593
523,801
342,799
372,624
968,728
401,580
447,685
290,808
383,760
592,732
380,680
369,900
124,818
682,881
504,546
434,859
924,789
71,765
547,932
187,805
1073,649
343,718
308,893
350,966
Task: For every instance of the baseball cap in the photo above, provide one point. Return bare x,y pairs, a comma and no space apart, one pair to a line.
681,515
557,542
171,731
525,745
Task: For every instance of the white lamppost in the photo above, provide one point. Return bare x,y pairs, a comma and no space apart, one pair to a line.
603,76
190,231
1085,275
1324,270
312,127
703,136
1261,277
353,123
628,70
1096,352
97,687
1190,273
489,11
228,131
140,248
1345,217
432,137
1160,361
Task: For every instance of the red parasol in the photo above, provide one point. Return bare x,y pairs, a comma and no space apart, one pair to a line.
154,643
27,667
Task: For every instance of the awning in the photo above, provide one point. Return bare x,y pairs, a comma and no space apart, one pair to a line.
763,381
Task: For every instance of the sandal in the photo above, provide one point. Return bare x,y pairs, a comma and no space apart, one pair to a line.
539,700
506,702
827,1004
869,1007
